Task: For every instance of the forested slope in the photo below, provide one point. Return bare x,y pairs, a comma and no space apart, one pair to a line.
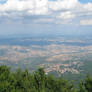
38,81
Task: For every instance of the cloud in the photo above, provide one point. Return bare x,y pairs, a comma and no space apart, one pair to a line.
59,10
86,22
30,6
63,4
66,15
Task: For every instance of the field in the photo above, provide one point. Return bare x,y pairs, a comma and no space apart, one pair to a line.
62,56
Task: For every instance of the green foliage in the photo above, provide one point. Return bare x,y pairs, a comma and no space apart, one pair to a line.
23,81
86,86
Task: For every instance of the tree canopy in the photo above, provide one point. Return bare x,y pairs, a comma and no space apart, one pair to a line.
38,81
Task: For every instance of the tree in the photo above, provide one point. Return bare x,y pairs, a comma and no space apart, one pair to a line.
39,77
86,86
23,81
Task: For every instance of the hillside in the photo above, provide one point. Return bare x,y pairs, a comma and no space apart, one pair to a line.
23,81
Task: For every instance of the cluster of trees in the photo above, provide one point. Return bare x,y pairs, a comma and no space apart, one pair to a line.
23,81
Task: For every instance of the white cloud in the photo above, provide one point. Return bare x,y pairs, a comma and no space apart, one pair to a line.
36,6
66,15
63,4
59,9
88,7
43,5
86,22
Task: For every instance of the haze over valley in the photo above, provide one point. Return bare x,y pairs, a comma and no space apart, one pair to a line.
62,55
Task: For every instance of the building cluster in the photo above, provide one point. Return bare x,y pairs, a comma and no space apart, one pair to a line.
61,68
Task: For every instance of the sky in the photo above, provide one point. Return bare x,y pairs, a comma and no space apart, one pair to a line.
45,17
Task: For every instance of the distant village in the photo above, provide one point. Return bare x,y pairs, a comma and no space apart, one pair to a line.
62,68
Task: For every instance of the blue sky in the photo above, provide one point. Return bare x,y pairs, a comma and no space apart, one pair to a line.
82,1
2,1
85,1
45,17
